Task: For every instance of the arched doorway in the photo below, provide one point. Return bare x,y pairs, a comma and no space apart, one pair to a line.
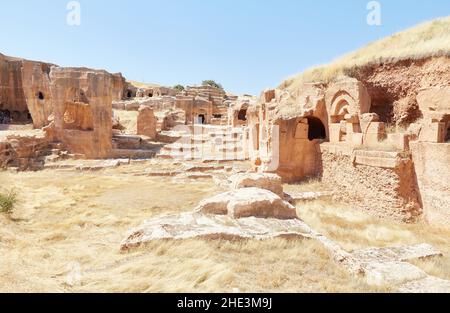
316,129
340,109
242,115
201,119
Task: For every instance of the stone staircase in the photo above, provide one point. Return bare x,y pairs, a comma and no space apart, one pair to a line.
57,152
134,147
207,143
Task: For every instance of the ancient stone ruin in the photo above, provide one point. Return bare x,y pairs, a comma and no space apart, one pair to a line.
389,159
393,165
380,148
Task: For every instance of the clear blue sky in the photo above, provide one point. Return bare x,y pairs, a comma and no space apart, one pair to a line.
247,45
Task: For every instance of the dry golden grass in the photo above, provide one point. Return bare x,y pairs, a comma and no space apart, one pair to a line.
354,229
430,39
312,184
142,85
67,220
70,224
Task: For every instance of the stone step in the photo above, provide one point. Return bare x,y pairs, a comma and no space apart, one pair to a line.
381,159
56,145
56,151
181,148
225,134
167,138
230,149
133,153
52,158
172,156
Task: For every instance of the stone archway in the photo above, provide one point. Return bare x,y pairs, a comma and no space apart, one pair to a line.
340,110
316,129
242,115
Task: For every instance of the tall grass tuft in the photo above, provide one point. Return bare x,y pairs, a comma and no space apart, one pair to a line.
7,202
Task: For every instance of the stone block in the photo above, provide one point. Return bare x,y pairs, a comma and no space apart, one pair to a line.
376,132
357,139
433,132
399,140
353,128
335,133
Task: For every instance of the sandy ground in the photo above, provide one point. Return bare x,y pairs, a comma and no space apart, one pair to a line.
128,119
65,234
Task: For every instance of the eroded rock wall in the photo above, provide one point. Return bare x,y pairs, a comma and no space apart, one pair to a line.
385,190
36,89
393,87
12,97
432,166
93,92
24,152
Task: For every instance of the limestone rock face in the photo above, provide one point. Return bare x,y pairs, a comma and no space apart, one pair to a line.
271,182
36,88
247,202
146,122
77,99
11,93
82,108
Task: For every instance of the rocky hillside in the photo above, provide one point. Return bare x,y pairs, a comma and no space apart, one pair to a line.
393,69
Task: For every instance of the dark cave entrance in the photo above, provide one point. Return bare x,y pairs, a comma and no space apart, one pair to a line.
242,116
201,118
316,129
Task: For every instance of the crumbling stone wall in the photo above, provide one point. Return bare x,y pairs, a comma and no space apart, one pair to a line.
299,157
432,166
25,152
11,93
385,192
82,108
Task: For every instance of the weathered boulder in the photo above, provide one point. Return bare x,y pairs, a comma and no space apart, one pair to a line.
194,225
271,182
146,122
246,202
391,273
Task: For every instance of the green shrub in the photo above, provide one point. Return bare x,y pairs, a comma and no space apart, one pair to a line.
212,83
179,88
7,202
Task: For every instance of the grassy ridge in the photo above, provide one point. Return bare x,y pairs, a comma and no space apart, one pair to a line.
430,39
